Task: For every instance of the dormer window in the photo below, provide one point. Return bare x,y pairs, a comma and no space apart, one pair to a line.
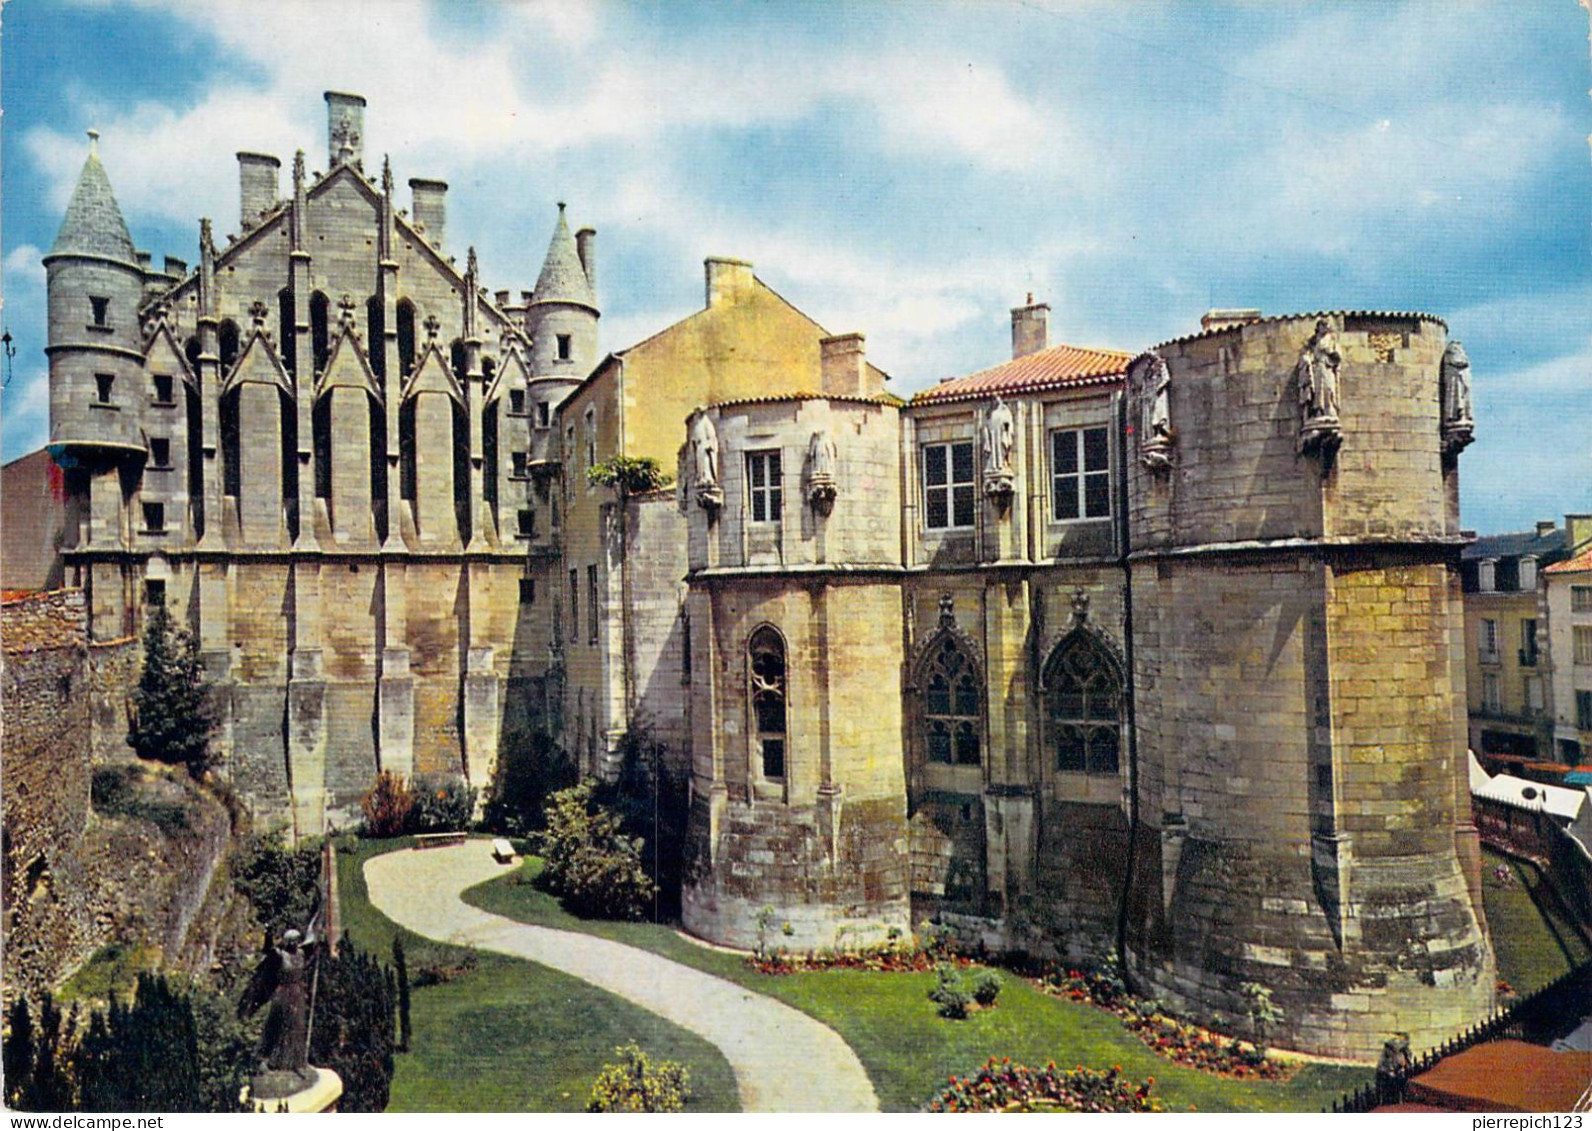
564,346
1528,574
1486,575
102,312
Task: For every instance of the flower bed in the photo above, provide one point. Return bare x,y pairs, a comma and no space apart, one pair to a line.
1176,1040
1003,1086
884,959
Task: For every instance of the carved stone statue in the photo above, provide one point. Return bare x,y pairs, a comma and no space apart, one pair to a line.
1000,432
1155,396
1317,373
822,462
1454,391
705,462
282,979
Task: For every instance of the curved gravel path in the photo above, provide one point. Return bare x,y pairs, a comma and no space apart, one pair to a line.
782,1058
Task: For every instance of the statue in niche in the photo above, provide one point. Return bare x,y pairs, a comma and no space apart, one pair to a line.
1454,392
822,462
1000,432
1317,373
1155,395
705,463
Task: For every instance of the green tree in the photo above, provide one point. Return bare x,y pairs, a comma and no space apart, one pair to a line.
401,966
280,882
630,475
144,1056
353,1026
172,714
19,1052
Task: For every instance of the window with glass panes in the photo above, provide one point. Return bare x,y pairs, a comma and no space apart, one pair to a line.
1083,707
763,486
948,485
952,720
1080,474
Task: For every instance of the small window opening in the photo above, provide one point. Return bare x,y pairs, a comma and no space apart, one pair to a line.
155,517
516,402
102,308
159,451
527,523
154,592
527,590
164,389
564,345
103,383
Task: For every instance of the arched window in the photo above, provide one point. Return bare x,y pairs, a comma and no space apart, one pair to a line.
287,329
952,702
406,336
766,660
228,341
1083,706
320,342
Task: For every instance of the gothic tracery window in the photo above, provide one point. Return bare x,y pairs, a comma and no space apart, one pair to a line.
766,659
1083,707
952,718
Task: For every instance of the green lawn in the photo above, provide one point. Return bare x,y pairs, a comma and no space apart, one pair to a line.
1533,942
909,1051
510,1035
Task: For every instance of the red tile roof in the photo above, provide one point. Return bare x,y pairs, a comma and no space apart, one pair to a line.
1581,563
1058,367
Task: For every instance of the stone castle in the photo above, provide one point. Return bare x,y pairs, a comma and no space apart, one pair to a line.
1159,653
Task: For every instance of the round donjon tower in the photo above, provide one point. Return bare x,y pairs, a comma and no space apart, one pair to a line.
1304,819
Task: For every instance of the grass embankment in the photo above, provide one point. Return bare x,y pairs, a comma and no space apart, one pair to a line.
1533,941
909,1051
509,1035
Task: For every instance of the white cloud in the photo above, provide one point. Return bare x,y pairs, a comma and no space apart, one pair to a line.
24,259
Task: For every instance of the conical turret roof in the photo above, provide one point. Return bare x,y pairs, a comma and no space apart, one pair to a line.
563,279
93,223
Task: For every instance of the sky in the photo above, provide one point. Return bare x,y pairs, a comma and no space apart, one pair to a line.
910,170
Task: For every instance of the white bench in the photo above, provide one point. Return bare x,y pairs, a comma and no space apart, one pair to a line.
502,851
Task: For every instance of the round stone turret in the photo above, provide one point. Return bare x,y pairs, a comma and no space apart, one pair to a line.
94,283
561,317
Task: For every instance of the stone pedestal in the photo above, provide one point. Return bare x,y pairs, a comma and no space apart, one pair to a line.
306,1092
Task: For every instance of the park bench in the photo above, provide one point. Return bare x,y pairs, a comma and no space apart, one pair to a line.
502,851
439,840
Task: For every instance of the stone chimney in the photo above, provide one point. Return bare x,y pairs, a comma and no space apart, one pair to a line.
345,129
586,248
843,366
428,207
1579,527
176,267
1545,527
258,177
1222,319
728,279
1030,328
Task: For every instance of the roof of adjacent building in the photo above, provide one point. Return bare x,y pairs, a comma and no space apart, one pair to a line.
1523,794
1527,542
1581,563
93,224
1058,367
563,277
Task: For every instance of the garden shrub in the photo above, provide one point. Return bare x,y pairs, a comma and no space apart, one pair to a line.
280,882
387,807
589,862
638,1084
441,805
950,992
124,791
986,988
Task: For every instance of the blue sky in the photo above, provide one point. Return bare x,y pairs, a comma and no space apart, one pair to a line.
909,170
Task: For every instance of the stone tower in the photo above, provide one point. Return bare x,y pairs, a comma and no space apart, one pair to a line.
1296,631
561,319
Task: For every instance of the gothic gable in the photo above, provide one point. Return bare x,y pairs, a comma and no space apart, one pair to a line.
512,374
258,364
347,367
432,374
164,355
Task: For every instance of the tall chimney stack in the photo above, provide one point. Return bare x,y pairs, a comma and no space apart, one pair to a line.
1030,328
428,207
727,278
258,177
586,248
843,366
345,129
